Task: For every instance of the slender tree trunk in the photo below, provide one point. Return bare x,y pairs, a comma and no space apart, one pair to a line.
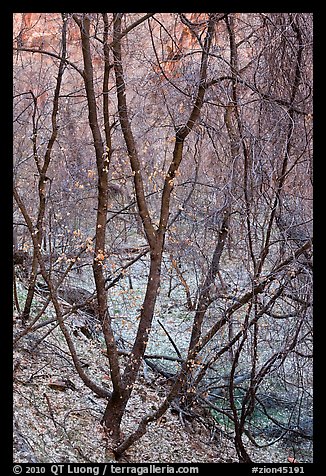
117,403
116,406
103,157
42,170
14,238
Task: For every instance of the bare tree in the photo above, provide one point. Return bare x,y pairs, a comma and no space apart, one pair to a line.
206,138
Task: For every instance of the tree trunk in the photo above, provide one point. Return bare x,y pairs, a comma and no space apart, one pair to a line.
14,239
117,403
30,293
155,238
113,414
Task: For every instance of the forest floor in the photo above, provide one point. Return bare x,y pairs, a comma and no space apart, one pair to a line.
61,423
51,425
61,426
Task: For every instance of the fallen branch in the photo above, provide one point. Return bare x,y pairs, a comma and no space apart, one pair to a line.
150,356
170,339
